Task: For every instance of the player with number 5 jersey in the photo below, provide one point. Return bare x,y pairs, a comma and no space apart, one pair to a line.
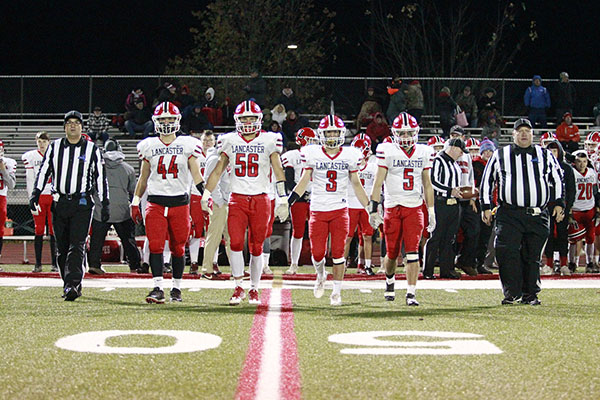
251,153
169,166
332,169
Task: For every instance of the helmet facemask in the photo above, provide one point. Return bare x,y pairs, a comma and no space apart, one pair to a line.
167,125
332,138
247,126
406,137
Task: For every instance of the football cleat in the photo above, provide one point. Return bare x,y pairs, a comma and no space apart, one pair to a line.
237,296
253,297
390,294
369,271
319,288
293,270
71,293
335,299
156,296
37,268
54,268
565,271
216,269
266,270
589,269
175,295
194,268
411,300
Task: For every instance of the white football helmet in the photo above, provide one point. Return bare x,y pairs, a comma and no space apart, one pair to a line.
163,111
332,123
248,108
405,130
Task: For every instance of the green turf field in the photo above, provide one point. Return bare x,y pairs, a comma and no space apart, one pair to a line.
548,352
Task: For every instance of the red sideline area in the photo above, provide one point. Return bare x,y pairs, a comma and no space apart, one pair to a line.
297,277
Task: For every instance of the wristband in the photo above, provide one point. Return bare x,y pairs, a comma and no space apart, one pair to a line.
374,206
281,190
200,187
135,201
293,198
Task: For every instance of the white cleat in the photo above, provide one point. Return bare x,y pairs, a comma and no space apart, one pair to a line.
320,286
565,271
335,299
293,270
267,270
546,270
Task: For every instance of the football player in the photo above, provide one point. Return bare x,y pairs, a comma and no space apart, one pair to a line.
32,161
436,143
473,147
404,168
333,169
169,166
251,153
547,138
358,216
8,168
299,211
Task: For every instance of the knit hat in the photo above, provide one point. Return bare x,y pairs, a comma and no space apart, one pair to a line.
486,144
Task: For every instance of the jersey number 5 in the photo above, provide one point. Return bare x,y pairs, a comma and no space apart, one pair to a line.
409,179
331,186
246,166
173,169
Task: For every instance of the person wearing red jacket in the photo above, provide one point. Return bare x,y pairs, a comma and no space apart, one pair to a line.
568,134
378,129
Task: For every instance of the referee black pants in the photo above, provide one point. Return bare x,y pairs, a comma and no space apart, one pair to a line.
520,240
469,223
71,221
126,232
440,245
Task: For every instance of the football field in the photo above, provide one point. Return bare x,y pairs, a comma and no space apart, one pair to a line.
460,343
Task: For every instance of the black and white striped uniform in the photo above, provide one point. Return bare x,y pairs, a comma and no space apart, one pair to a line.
445,175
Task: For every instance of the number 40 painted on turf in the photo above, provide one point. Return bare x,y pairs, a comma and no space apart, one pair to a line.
370,343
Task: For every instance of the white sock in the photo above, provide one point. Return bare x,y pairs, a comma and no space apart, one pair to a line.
194,249
176,283
158,282
256,267
295,249
266,257
589,253
167,253
216,256
412,289
146,252
237,264
238,282
368,263
556,256
596,258
337,287
319,267
381,260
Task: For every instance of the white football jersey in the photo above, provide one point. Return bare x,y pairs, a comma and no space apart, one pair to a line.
366,174
201,166
293,159
11,167
403,184
169,171
330,176
584,189
250,161
32,161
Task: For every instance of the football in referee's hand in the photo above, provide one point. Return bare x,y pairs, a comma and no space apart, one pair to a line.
469,192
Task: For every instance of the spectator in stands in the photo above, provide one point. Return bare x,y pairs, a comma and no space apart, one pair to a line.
414,100
136,93
289,100
209,98
487,105
397,100
98,125
165,93
378,129
184,99
565,97
121,187
267,119
292,124
567,134
467,102
275,127
372,96
279,113
139,120
492,130
228,109
367,112
446,108
256,88
537,100
196,121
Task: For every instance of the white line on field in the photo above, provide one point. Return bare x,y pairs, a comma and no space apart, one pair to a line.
366,291
451,290
194,289
269,378
108,289
23,288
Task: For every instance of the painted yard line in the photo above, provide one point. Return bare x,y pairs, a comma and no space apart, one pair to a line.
269,378
194,289
108,289
366,291
451,290
291,388
23,288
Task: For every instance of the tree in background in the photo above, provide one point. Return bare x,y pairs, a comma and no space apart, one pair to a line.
235,36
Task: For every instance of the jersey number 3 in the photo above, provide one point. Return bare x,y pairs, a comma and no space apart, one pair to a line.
246,166
331,185
173,169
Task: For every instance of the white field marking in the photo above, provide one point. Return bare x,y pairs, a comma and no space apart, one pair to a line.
308,285
23,288
269,377
366,291
194,289
108,289
95,342
451,290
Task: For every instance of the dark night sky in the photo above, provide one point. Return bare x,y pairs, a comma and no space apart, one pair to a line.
80,37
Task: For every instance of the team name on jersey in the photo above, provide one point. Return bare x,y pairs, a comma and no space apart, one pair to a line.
584,179
408,163
247,148
366,175
167,150
337,165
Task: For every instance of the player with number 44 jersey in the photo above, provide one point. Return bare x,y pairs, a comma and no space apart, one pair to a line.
251,153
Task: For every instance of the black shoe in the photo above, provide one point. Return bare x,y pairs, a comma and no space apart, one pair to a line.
54,268
156,296
369,271
483,270
468,270
430,277
144,269
450,275
411,300
389,294
532,301
71,293
572,266
37,268
96,271
589,269
167,268
510,300
175,295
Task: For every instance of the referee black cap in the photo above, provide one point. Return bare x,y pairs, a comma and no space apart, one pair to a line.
458,142
522,122
74,114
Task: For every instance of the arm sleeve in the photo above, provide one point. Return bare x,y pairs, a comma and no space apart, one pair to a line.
101,182
290,176
487,182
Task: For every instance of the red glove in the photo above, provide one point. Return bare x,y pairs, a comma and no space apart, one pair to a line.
136,214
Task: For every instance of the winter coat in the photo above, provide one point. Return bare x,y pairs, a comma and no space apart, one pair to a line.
536,96
414,97
256,88
567,133
121,187
378,131
566,96
397,104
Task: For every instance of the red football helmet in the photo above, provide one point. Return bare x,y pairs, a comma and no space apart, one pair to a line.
472,144
306,136
405,129
248,108
332,123
363,143
591,143
387,139
163,111
85,136
436,141
576,232
547,137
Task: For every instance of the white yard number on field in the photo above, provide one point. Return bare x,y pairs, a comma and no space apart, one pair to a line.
370,343
95,342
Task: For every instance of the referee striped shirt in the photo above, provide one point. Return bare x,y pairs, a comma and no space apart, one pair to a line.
526,177
445,175
74,169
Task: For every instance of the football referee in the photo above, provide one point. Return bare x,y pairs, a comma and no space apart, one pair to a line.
77,171
528,177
